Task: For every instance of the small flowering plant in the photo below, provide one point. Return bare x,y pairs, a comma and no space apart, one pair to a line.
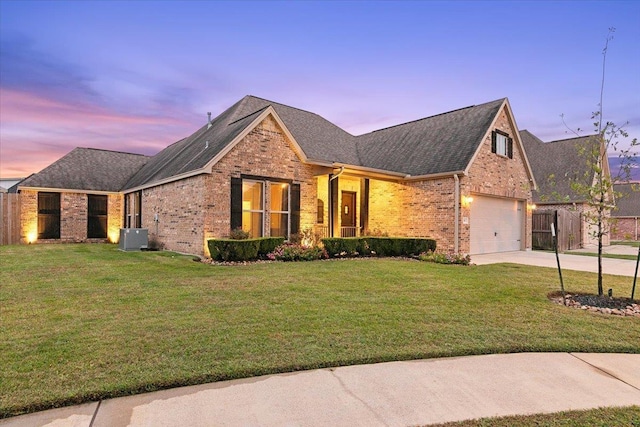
297,252
445,258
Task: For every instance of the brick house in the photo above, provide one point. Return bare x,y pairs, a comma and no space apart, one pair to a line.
626,215
556,165
461,177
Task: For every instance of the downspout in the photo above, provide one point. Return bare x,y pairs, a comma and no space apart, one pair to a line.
338,174
456,209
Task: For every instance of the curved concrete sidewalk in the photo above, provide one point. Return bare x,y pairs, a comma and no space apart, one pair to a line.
620,267
386,394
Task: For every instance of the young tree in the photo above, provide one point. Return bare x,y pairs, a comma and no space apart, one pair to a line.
597,186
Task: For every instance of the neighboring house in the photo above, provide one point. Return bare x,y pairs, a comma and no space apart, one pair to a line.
556,165
627,213
7,183
460,177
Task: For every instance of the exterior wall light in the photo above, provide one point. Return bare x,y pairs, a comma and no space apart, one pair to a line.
466,201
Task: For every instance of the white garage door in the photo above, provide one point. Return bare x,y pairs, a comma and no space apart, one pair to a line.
496,225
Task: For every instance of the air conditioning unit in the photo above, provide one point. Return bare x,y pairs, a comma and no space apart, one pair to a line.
133,239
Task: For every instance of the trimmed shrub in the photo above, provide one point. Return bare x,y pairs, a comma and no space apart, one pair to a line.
234,250
338,247
378,246
269,244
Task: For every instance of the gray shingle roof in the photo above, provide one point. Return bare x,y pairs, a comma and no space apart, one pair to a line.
555,165
629,203
442,143
88,169
437,144
319,138
193,153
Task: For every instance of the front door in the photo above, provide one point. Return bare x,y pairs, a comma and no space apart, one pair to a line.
348,214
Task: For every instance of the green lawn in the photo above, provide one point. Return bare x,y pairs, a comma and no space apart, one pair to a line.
627,243
85,322
603,417
595,254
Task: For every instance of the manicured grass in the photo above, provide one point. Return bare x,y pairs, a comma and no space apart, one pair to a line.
604,417
635,244
86,322
594,254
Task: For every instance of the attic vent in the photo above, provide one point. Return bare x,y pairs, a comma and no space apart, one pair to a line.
208,123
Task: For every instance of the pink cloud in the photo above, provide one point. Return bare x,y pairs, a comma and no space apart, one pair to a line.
36,130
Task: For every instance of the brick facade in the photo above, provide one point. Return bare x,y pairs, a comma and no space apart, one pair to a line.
626,228
493,175
192,210
73,217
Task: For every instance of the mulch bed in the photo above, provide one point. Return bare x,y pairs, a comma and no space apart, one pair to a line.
599,304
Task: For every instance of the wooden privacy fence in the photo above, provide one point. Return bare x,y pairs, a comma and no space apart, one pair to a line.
568,228
10,218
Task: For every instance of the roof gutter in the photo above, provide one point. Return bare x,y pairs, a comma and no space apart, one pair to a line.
371,170
435,176
67,190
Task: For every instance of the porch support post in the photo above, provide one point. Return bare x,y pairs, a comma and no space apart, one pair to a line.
333,204
364,205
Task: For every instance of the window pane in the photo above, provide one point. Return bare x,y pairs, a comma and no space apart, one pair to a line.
252,223
501,144
48,215
280,197
97,217
252,208
279,225
252,196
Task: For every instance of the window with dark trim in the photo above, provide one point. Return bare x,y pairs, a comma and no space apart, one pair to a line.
133,210
501,144
253,207
256,201
96,216
48,215
279,209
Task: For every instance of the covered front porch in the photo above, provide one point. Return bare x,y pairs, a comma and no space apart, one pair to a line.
353,205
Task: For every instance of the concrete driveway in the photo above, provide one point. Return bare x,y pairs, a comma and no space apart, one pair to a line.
620,267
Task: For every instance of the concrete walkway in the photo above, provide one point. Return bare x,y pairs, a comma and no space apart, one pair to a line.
409,393
620,267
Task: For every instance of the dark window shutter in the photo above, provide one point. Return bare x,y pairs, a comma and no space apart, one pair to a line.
510,148
364,204
493,141
139,208
295,208
236,203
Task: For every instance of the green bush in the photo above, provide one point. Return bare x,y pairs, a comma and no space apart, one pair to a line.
338,247
268,245
234,250
378,246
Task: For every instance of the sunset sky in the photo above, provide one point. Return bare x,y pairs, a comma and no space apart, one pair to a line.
136,76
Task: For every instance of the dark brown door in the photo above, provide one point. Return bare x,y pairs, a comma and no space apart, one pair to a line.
348,211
